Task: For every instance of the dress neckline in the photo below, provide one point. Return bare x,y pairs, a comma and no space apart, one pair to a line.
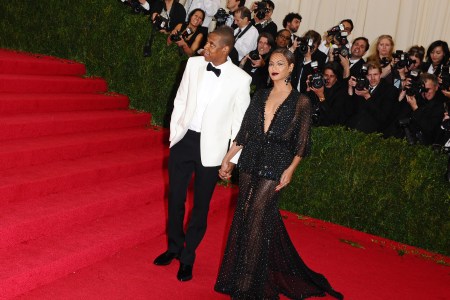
275,114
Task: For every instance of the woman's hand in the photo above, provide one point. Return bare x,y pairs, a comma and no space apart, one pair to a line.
285,179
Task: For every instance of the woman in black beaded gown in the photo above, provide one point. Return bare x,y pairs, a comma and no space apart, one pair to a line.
260,261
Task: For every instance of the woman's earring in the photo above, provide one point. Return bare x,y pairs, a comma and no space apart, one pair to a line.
287,79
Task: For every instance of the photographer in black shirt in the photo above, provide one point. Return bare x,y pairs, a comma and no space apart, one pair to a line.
256,62
167,14
331,104
262,19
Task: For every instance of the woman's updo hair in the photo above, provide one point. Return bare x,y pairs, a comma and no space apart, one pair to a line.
286,53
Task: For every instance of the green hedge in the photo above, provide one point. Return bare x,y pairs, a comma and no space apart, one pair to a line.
384,187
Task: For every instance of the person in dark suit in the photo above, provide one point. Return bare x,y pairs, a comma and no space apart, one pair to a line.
172,11
265,24
331,103
303,61
373,108
203,122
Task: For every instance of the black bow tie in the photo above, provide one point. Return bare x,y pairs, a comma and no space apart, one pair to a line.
211,68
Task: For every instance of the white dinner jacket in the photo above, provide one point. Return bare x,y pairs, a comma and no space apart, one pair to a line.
223,114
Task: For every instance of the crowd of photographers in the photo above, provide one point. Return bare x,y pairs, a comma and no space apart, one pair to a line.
402,94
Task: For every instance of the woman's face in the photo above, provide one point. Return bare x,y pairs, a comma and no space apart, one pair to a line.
330,78
196,19
279,68
437,55
282,40
384,47
263,46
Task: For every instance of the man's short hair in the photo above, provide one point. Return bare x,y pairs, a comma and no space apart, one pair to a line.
241,3
290,17
314,35
348,21
271,4
361,38
226,34
374,65
431,77
245,12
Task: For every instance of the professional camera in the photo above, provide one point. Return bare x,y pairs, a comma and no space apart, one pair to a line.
361,81
403,59
180,35
335,30
416,86
304,45
254,55
384,62
445,76
161,23
316,79
261,9
221,17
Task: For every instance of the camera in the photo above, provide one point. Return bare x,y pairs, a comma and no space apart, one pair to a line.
361,81
221,17
261,9
161,23
180,35
335,30
445,76
304,45
254,55
416,85
136,7
316,79
384,62
403,59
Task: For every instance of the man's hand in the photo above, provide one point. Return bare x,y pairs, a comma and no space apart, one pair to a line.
225,170
412,102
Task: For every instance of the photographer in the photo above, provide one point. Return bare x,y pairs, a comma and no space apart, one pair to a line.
263,17
438,55
210,8
167,15
256,62
292,22
383,56
414,62
232,6
372,105
245,34
189,36
426,111
331,105
332,37
305,52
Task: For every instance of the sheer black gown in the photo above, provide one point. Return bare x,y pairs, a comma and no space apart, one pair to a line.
260,261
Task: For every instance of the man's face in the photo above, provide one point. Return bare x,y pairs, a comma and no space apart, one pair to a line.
239,21
431,90
358,49
347,27
293,26
214,50
232,5
374,77
268,13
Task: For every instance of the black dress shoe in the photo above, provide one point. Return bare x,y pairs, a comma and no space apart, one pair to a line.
184,272
165,258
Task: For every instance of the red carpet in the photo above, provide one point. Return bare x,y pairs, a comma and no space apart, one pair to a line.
82,189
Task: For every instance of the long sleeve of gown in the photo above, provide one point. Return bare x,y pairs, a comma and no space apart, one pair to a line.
303,137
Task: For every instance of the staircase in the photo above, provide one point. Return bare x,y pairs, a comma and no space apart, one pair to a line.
81,176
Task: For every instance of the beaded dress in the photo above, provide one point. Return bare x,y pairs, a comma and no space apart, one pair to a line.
260,261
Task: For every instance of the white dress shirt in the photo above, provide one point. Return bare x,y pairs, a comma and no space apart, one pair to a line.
246,42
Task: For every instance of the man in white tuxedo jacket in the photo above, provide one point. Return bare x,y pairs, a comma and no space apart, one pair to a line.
208,110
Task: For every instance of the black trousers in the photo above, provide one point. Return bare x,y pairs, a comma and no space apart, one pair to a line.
184,161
